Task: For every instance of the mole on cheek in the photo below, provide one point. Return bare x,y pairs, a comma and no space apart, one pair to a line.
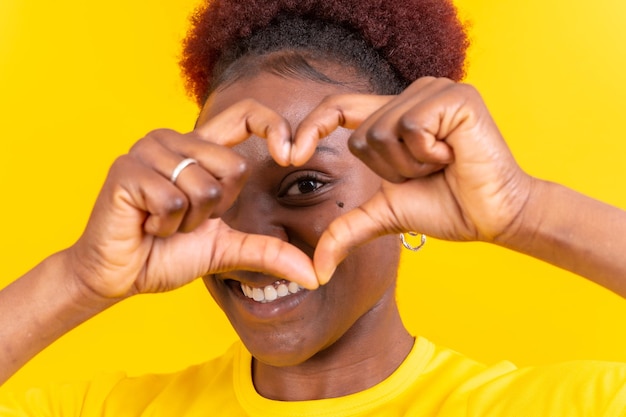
340,204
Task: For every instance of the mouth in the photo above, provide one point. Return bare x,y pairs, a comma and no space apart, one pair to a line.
260,298
271,293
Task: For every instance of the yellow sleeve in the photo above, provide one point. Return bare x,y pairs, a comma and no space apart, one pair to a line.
84,399
189,392
572,389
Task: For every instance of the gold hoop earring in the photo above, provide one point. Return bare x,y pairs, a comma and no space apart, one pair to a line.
408,245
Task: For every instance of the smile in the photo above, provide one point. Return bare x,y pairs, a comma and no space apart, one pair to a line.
272,292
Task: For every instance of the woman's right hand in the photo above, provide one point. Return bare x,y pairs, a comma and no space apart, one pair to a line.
147,234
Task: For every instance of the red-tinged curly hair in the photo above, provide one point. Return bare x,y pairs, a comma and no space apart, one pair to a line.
391,42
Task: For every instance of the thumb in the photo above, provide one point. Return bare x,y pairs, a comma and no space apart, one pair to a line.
265,254
355,228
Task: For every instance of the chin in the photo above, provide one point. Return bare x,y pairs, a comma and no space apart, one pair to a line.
280,349
285,332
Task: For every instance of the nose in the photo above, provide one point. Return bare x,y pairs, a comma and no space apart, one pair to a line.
256,213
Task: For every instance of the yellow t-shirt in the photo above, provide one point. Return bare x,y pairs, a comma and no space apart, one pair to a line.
432,381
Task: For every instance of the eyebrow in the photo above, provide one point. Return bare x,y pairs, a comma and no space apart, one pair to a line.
320,149
326,149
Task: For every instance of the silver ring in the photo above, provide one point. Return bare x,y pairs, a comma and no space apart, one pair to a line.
408,245
180,167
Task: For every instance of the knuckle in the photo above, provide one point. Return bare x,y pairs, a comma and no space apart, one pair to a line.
174,205
410,124
321,129
138,146
331,101
240,169
120,167
120,162
420,83
207,196
249,104
331,107
443,81
467,90
429,79
162,132
194,135
377,136
357,145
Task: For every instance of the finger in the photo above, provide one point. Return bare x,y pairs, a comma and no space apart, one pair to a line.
348,110
155,203
394,163
420,143
218,167
265,254
394,134
163,149
455,107
247,117
349,231
214,248
210,186
400,138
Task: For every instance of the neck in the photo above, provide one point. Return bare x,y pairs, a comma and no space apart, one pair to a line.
369,352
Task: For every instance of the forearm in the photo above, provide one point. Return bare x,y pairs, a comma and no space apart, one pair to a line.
574,232
38,308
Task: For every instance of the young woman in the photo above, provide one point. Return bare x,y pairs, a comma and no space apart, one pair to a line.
326,130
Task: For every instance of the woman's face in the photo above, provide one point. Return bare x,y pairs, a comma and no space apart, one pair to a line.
296,204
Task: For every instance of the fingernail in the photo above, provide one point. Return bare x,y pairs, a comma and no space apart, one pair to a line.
312,285
285,154
324,276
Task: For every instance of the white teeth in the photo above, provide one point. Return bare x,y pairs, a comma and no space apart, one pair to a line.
293,287
258,294
282,290
270,293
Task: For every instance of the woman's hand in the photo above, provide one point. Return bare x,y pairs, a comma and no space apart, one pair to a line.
449,173
147,234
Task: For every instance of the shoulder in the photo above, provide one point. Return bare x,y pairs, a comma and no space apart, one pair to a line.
572,389
118,394
208,383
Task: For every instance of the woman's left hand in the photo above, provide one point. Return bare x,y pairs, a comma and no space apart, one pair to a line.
448,171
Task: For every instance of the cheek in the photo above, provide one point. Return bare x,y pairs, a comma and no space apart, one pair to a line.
366,277
363,183
357,186
375,261
305,226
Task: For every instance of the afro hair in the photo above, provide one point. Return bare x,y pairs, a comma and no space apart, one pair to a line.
415,38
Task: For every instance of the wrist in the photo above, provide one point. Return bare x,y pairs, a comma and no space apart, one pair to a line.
75,277
526,224
95,275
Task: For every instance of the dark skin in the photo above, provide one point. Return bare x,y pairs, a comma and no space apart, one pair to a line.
314,344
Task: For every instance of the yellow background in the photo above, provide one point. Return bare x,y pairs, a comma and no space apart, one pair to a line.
80,81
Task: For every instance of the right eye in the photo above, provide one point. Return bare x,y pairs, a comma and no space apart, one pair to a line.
304,185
